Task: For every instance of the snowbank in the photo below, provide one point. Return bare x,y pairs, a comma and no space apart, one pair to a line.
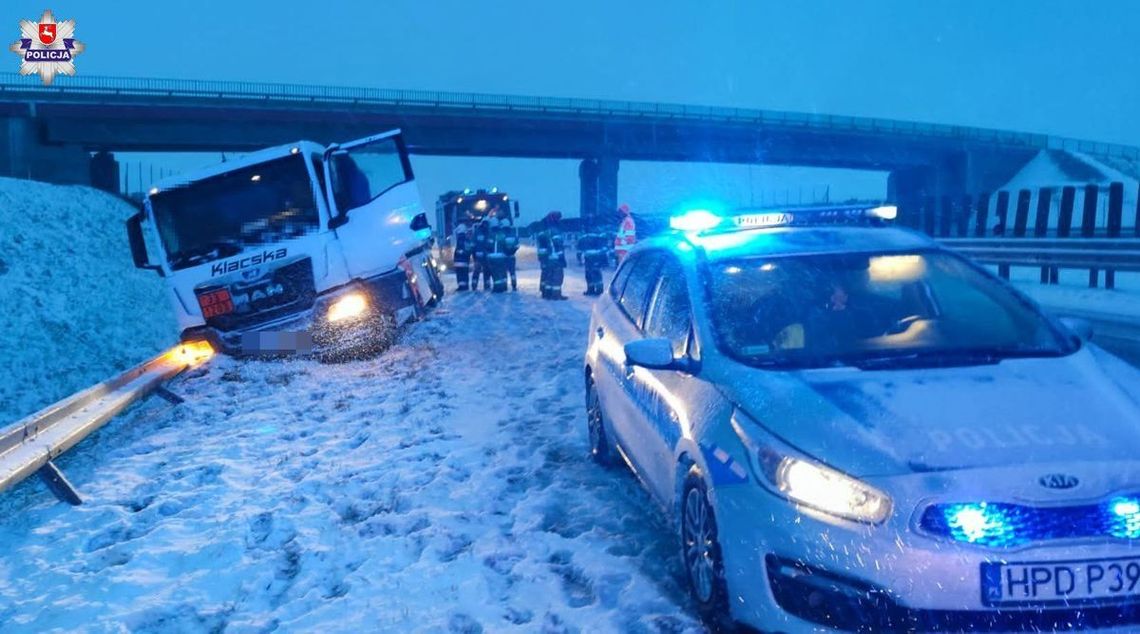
73,309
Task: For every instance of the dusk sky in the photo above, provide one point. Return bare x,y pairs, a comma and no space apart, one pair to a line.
1064,68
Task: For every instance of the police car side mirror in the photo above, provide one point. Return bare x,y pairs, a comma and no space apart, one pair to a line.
1080,327
654,354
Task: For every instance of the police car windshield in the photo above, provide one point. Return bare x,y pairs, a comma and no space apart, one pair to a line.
219,216
873,311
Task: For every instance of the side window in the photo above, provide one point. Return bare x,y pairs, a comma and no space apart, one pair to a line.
362,173
617,285
642,280
669,314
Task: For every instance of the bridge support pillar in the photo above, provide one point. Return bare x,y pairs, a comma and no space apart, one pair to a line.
105,172
588,191
598,190
23,155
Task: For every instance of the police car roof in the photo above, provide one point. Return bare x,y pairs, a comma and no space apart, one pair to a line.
797,240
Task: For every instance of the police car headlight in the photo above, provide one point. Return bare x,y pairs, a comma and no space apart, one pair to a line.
347,307
808,482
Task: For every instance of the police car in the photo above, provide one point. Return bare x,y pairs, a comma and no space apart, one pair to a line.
856,429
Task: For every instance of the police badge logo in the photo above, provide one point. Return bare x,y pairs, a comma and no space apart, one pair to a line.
47,47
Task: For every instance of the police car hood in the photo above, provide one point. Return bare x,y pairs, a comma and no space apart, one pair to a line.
1019,411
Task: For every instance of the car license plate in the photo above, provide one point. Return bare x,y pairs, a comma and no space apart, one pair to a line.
1060,582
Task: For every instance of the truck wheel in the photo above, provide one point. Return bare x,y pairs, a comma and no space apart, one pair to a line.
370,341
600,449
700,551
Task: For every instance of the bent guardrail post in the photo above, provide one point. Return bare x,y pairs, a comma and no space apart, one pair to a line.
29,445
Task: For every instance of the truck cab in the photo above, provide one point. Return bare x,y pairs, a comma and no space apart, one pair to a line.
293,248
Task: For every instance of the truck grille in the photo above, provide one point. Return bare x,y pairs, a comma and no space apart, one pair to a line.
276,294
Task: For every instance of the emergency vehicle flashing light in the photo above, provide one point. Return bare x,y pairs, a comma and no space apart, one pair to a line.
703,220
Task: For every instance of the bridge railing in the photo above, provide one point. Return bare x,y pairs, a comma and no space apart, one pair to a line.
24,88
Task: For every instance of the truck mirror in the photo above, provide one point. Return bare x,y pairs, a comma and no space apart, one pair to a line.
138,243
516,209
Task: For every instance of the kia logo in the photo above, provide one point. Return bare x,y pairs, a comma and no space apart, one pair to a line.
1058,481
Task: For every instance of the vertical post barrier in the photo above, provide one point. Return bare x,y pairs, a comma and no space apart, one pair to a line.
1115,220
1065,218
1041,226
962,217
1136,225
929,204
982,217
1002,213
946,211
1088,224
1021,216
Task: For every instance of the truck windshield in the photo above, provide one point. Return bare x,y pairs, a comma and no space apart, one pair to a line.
873,311
220,216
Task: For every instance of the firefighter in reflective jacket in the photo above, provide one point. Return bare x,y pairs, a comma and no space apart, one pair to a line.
592,246
551,257
497,255
462,256
511,248
626,235
480,242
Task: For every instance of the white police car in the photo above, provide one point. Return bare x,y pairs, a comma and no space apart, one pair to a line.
854,428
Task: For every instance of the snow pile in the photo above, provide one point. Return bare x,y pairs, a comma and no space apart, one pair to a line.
73,308
443,487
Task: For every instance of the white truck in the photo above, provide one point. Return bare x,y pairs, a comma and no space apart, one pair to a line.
293,249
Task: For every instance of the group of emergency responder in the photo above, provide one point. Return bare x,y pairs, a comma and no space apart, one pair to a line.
486,251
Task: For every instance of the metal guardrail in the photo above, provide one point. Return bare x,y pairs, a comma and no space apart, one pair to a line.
1075,253
229,91
30,445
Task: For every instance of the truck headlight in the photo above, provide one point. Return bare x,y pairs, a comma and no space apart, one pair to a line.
348,307
789,473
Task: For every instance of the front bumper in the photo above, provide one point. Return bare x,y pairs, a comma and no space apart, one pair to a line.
309,332
789,569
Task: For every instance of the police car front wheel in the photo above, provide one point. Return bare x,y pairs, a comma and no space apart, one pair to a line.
600,449
700,550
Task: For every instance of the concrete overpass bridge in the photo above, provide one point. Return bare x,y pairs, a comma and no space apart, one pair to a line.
50,133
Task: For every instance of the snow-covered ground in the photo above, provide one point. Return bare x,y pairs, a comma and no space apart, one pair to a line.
73,308
1073,292
443,487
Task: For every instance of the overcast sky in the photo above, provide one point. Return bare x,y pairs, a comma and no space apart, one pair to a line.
1065,68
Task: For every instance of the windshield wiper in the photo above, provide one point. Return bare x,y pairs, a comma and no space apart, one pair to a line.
951,357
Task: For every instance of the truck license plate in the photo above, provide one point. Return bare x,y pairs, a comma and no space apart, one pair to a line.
1060,582
216,303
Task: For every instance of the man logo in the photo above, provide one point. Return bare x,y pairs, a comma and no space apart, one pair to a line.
1058,481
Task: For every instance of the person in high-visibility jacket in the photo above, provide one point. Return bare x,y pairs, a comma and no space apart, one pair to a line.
592,248
626,235
497,255
511,248
551,257
462,257
480,242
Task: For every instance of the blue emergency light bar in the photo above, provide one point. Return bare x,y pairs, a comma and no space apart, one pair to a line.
703,220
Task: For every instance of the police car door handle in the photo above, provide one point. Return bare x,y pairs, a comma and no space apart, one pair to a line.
601,332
